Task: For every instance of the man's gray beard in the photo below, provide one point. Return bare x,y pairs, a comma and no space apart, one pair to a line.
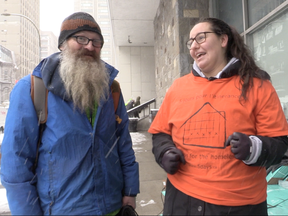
86,81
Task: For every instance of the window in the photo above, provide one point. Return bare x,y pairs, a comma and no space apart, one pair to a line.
257,9
86,5
5,94
270,48
104,16
87,10
6,77
104,4
231,11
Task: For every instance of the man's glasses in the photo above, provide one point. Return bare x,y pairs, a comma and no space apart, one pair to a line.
199,38
84,41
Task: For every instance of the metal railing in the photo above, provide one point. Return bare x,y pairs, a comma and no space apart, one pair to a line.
144,109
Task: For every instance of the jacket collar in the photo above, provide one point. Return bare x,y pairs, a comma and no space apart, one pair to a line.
229,70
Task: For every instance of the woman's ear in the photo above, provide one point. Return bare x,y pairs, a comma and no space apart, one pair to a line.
224,40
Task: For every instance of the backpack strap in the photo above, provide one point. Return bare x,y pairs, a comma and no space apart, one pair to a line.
39,95
116,90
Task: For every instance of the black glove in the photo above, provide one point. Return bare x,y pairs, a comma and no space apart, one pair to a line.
240,145
171,160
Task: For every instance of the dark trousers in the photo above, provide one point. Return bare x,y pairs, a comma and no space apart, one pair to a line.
178,203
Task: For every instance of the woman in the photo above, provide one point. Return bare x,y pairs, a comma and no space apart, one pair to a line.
218,128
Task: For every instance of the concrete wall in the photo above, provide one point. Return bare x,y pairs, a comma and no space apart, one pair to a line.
148,72
136,67
172,24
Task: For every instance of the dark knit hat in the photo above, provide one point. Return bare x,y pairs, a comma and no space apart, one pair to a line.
79,21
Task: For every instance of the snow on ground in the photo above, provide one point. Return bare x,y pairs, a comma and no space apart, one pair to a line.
3,200
138,139
4,208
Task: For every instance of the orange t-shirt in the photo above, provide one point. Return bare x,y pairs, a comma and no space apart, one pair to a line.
200,115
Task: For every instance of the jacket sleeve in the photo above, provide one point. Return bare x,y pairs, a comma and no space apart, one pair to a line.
273,150
130,167
19,151
161,143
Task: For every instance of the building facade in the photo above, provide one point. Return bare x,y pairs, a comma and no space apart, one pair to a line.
172,24
8,70
7,81
99,9
136,72
19,32
263,25
133,35
49,44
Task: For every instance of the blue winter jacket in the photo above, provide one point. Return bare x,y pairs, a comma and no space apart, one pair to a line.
82,170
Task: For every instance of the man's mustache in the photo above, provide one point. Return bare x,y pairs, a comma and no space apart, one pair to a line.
85,52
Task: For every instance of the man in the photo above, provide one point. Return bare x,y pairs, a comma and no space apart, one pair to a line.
129,106
137,103
86,164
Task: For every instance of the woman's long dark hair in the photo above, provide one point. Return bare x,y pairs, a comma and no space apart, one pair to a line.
238,49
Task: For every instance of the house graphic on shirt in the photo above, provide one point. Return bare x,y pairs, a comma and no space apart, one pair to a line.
205,128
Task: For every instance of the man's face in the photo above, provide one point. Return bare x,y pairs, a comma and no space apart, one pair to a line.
85,51
83,73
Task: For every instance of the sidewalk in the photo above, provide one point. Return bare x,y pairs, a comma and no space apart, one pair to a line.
149,201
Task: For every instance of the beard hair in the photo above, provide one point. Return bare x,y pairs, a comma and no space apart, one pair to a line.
86,80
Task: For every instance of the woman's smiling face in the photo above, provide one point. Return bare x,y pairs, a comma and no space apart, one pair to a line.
209,55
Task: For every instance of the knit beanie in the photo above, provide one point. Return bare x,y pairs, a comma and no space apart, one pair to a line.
79,21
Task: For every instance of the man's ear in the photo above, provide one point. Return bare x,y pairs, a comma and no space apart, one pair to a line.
63,46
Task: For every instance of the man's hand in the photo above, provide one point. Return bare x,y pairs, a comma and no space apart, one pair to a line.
240,145
128,200
171,160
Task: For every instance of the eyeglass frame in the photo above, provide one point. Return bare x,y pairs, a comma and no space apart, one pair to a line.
88,40
194,39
